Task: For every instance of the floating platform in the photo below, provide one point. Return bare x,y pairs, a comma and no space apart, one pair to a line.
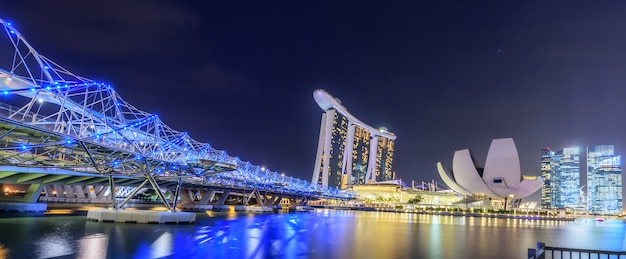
302,208
141,216
23,207
195,207
221,208
254,208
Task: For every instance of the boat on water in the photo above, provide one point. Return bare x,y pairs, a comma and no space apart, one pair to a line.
600,219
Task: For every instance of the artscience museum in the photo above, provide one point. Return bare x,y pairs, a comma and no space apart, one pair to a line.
500,180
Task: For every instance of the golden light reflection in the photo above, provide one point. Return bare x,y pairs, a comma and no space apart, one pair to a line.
4,252
88,208
210,213
59,212
231,213
162,208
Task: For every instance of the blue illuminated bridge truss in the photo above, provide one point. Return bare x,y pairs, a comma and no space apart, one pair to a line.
52,120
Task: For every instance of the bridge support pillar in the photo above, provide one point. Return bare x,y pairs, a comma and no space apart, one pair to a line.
30,196
223,198
103,191
304,201
58,191
112,196
79,191
91,192
187,196
47,189
207,196
69,191
32,193
276,200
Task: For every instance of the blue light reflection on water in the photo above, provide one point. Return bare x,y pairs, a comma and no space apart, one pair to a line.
320,234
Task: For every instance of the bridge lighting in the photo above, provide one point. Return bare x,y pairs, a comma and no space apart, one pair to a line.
32,89
69,141
40,100
46,67
5,92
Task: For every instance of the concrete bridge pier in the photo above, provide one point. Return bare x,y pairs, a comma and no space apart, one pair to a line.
189,202
25,203
263,203
300,204
219,204
75,194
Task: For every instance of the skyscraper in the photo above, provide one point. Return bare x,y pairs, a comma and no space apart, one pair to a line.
604,180
350,151
547,173
561,174
568,178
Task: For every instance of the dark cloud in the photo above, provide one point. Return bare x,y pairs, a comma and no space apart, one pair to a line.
110,29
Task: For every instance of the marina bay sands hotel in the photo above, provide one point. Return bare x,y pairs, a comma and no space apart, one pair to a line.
350,152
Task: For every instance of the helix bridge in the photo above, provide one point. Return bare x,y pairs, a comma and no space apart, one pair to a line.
55,124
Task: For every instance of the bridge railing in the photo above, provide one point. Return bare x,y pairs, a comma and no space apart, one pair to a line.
544,252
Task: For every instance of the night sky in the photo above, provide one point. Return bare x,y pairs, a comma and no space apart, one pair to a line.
441,75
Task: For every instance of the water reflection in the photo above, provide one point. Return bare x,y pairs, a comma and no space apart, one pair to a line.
259,236
55,244
319,234
4,252
93,246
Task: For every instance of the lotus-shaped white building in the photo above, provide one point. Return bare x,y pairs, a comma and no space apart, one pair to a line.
499,179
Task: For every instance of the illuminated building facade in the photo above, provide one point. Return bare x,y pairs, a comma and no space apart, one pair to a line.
548,166
500,179
604,180
349,151
561,174
568,178
384,158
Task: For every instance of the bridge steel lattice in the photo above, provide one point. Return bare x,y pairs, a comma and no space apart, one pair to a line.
55,123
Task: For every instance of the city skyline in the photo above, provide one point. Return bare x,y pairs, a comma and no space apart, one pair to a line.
441,76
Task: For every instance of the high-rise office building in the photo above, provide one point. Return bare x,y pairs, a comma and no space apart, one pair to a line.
561,174
547,173
350,151
604,180
568,178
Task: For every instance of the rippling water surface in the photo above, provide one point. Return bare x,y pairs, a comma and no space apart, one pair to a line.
319,234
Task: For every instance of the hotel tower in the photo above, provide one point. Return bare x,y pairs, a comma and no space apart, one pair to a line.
350,151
